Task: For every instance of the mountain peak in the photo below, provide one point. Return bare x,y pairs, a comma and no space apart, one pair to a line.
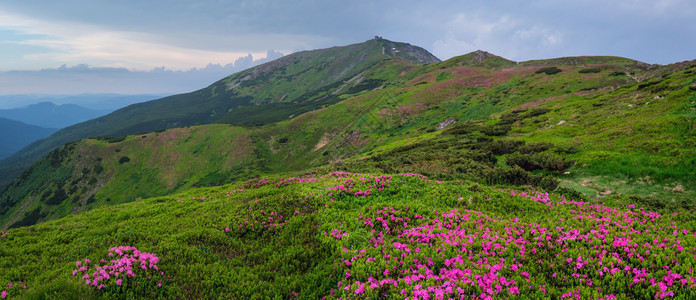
480,58
406,51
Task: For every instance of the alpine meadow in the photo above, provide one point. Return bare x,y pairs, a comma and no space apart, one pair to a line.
369,171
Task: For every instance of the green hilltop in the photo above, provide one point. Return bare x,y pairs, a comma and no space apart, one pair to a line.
380,128
275,91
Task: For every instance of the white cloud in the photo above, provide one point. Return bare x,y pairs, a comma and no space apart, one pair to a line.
510,37
86,43
450,46
538,34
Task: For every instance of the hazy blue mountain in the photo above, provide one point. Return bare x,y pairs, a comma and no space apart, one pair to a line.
16,135
50,115
92,101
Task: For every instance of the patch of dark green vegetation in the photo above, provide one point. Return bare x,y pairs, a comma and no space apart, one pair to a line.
549,70
472,157
589,70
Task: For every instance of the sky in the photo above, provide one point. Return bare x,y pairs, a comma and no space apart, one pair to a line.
172,46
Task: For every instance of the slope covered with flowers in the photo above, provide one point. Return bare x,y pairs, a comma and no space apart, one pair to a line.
347,235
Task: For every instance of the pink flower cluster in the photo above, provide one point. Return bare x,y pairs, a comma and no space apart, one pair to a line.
4,293
534,195
469,254
3,234
366,185
127,261
262,219
338,234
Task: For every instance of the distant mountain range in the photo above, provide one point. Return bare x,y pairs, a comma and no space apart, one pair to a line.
49,115
91,101
15,135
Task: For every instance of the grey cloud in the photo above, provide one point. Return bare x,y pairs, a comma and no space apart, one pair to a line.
82,78
633,28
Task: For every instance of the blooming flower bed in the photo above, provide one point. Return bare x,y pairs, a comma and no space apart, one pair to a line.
125,266
578,249
350,235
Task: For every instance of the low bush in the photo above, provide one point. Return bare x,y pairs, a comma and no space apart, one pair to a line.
462,129
539,161
535,147
496,130
500,147
589,70
549,70
57,198
567,149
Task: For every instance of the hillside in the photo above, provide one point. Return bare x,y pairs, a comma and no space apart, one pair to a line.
276,90
348,235
15,135
590,128
475,177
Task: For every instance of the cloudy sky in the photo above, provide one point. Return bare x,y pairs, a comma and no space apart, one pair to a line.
139,36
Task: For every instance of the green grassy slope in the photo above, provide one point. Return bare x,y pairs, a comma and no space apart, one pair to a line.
324,235
276,90
577,114
96,172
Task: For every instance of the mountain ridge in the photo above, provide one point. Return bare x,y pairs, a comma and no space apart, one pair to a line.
50,115
318,72
414,107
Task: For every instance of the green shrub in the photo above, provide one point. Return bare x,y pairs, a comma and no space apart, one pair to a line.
496,130
462,129
647,84
57,198
567,149
30,218
111,139
283,140
61,288
537,112
589,70
549,70
543,181
535,147
518,176
123,159
500,147
539,161
469,167
570,194
514,176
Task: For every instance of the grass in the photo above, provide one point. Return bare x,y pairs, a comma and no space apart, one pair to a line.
320,228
